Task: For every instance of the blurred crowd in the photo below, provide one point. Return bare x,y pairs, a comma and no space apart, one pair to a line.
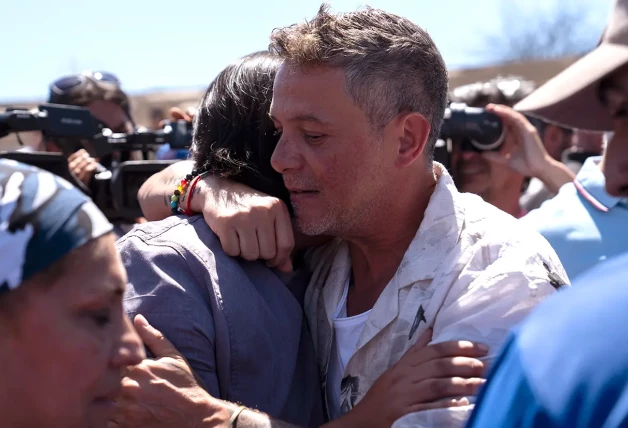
322,254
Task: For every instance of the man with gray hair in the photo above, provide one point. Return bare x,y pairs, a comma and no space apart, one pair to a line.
358,103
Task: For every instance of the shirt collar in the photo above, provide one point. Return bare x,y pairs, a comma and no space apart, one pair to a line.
590,183
438,234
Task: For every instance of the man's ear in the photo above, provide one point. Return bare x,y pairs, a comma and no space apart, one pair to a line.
414,130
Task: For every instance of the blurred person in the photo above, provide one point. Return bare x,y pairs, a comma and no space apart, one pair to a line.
498,184
65,340
267,342
584,144
583,223
101,93
567,364
165,152
357,124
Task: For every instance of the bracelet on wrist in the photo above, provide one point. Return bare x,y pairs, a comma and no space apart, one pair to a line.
234,416
189,182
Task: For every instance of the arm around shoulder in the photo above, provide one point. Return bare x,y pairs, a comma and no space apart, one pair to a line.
154,195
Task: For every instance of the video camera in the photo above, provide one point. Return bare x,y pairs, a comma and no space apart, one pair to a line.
72,128
474,128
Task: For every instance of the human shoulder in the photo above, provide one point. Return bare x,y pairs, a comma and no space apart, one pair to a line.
492,237
554,212
187,237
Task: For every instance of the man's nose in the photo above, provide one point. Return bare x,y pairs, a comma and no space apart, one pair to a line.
286,156
130,350
468,155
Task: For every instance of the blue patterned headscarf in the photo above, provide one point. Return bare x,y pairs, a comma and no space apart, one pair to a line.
42,218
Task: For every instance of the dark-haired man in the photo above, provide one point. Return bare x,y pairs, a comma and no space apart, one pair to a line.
358,102
101,93
498,183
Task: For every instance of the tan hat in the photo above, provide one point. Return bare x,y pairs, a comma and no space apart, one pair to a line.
571,98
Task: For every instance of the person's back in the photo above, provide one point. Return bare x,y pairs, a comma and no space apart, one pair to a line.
238,323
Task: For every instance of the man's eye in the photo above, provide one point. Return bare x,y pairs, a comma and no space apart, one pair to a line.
621,113
313,137
101,318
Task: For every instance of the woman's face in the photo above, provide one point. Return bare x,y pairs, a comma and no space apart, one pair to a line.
64,350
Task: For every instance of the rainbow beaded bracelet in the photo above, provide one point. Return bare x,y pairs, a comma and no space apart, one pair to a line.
179,192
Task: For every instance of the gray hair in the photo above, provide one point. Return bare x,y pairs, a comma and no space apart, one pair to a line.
391,65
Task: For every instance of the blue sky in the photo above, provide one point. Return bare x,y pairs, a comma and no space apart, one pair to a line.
158,44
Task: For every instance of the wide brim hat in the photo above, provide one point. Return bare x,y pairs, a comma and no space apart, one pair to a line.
572,98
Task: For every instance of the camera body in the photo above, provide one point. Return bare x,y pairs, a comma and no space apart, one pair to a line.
471,128
72,128
484,130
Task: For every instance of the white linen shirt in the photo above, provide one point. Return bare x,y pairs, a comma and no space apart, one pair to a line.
471,273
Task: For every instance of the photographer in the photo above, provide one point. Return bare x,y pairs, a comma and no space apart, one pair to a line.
100,92
499,177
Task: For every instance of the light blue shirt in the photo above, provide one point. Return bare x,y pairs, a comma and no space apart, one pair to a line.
566,365
583,223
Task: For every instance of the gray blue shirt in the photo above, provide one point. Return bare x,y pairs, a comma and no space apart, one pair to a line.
239,324
583,223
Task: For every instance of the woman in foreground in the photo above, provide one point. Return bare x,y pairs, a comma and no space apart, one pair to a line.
64,339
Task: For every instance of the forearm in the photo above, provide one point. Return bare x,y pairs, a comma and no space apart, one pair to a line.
220,412
154,195
555,175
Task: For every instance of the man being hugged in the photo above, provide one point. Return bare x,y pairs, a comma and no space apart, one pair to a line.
358,102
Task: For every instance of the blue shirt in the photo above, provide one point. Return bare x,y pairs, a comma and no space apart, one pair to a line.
583,223
239,324
567,364
165,152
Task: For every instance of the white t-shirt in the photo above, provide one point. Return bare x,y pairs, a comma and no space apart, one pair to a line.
347,332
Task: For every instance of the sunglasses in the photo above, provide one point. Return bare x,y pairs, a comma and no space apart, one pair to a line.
100,78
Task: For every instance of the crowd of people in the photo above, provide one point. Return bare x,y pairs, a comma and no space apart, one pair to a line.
310,264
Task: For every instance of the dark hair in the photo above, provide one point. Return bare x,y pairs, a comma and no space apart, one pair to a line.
391,65
234,136
89,92
501,90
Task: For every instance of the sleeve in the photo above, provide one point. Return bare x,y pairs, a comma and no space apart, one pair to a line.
484,303
163,288
507,399
495,291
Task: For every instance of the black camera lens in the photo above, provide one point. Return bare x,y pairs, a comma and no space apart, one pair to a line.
484,130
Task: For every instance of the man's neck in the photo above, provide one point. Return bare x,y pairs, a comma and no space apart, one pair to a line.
507,202
375,257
